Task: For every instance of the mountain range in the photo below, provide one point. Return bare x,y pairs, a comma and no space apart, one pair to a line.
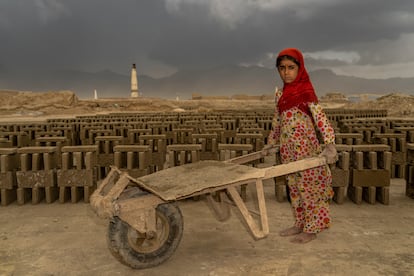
218,81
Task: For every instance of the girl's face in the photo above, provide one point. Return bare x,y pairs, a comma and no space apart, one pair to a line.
288,70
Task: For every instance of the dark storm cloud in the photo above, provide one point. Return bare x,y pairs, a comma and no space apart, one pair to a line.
98,35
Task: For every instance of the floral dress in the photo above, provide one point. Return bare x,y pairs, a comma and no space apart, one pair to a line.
310,190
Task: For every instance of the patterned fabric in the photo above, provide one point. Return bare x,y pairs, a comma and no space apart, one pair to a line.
310,190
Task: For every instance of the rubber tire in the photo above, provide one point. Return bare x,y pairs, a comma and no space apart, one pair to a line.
121,249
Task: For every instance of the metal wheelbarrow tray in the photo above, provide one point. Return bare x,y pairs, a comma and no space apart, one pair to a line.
145,223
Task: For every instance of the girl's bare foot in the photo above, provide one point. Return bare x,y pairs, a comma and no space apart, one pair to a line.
290,231
304,238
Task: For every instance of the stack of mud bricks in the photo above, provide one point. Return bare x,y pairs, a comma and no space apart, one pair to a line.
405,127
229,151
52,141
105,158
158,147
37,174
348,138
78,174
266,126
209,145
398,145
335,116
162,128
67,130
15,139
183,154
133,135
254,139
9,164
371,174
133,159
182,135
410,171
230,130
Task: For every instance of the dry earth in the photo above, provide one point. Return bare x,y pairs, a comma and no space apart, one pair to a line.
66,104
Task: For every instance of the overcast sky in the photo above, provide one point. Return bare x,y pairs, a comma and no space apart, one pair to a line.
365,38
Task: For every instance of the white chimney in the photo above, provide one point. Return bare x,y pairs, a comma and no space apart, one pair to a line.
134,82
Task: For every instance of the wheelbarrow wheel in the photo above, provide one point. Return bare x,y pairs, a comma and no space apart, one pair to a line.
135,250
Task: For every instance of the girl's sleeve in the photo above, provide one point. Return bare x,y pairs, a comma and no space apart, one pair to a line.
274,135
322,123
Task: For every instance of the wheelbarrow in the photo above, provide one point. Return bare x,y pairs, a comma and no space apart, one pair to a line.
145,222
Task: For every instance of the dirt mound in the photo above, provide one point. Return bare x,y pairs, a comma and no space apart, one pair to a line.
396,104
12,100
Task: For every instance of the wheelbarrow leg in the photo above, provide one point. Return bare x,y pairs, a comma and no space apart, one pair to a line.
220,208
257,232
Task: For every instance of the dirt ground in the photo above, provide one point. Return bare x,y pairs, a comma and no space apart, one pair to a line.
69,239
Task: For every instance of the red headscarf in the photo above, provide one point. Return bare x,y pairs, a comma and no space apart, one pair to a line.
300,92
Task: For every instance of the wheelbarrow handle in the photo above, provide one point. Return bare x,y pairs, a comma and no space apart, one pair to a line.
253,156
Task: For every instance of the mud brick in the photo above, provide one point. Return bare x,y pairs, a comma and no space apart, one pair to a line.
355,194
383,195
280,188
209,144
134,159
369,194
409,190
410,153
